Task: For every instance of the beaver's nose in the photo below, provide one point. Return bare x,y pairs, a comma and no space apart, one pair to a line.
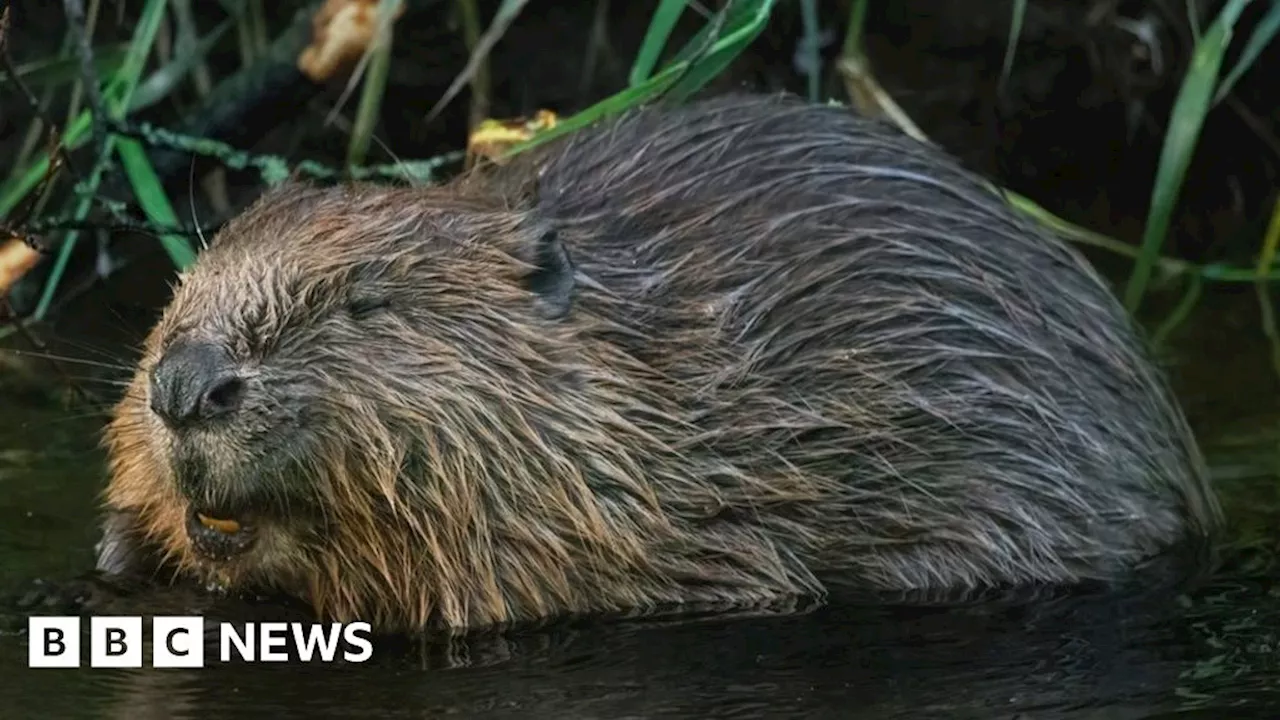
195,382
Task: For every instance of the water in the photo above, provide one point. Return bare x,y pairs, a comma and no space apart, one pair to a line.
1213,653
1079,659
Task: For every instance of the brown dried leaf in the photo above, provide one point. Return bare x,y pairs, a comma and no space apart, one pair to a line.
341,33
16,258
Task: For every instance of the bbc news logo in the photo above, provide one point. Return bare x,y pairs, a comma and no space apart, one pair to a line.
179,642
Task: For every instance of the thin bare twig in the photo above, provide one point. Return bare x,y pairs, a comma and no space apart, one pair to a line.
88,73
507,14
44,226
11,70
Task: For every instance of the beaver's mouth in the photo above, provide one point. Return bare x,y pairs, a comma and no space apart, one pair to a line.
217,534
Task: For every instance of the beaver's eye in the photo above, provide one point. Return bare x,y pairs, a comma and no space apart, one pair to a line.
365,305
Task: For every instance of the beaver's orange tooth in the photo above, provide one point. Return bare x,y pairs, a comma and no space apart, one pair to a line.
223,526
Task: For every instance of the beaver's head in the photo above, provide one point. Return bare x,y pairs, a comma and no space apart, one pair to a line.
343,400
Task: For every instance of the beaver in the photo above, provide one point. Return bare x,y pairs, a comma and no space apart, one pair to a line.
741,350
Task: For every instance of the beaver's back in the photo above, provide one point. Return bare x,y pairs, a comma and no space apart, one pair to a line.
827,299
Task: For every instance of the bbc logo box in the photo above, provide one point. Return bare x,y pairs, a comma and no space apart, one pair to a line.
114,642
53,642
180,642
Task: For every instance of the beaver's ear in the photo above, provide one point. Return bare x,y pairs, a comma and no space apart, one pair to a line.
552,278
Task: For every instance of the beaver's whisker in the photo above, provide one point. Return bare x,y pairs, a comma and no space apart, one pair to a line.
62,419
191,203
108,355
113,382
67,358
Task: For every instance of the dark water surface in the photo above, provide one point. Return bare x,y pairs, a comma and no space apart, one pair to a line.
1214,653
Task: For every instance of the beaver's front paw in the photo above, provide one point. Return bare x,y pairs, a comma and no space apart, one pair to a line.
69,597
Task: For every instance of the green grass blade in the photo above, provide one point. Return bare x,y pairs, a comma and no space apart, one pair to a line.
151,196
742,25
1219,272
24,181
63,70
655,39
714,32
1193,103
1011,46
117,97
1193,18
812,48
1270,241
160,83
852,46
135,61
620,102
506,14
1071,231
1180,313
687,70
1263,34
60,262
375,85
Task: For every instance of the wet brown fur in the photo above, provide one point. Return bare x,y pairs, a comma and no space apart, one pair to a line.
801,353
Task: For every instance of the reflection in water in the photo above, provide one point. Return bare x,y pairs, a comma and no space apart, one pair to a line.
1214,654
1082,657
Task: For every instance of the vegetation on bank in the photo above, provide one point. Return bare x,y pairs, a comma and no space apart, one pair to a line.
106,88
